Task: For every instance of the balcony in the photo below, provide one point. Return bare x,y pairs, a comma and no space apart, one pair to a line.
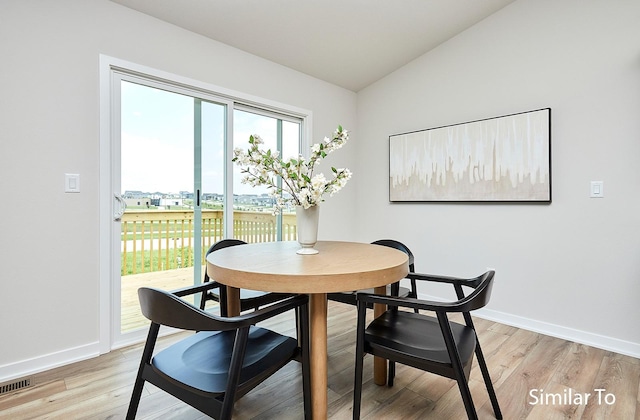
161,240
157,249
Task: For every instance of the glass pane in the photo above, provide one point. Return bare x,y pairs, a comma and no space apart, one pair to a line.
253,219
246,124
156,144
253,207
161,243
290,148
290,139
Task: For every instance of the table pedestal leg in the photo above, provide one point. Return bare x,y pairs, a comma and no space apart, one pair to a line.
318,355
379,364
233,301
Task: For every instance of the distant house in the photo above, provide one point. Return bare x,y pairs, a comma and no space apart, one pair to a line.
253,199
212,197
134,194
169,201
137,202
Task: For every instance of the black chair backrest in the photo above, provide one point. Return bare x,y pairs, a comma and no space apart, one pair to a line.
167,309
224,243
481,294
392,243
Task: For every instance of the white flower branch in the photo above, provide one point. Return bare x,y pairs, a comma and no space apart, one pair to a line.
262,167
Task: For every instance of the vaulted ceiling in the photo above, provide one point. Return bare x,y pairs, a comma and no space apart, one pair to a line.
350,43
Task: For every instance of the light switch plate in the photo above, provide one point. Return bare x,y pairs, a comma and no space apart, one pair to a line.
72,183
597,189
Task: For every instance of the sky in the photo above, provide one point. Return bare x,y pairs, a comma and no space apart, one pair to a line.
157,141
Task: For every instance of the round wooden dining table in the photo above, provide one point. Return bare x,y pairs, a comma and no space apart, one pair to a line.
338,267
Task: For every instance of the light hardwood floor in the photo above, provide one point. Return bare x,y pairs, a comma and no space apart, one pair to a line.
519,361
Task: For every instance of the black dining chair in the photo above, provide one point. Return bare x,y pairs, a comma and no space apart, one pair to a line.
249,299
225,359
433,344
393,290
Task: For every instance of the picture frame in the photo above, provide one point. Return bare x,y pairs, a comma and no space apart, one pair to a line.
500,159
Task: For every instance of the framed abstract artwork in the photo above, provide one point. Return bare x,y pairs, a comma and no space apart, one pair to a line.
502,159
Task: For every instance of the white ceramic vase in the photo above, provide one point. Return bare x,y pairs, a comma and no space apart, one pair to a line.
307,228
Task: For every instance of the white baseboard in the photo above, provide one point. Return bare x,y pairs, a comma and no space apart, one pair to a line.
583,337
603,342
45,362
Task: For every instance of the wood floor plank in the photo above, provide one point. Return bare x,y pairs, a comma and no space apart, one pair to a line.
555,408
284,387
31,396
578,371
617,381
401,406
431,386
535,370
503,360
450,404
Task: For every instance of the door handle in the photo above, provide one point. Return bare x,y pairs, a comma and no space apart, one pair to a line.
119,207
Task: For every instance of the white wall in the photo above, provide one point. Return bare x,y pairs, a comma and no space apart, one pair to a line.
571,268
49,120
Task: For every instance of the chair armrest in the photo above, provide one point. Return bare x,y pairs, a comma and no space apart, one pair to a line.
270,311
192,290
427,305
473,282
475,300
166,308
250,318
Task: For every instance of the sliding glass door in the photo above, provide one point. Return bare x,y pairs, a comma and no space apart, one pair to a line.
172,184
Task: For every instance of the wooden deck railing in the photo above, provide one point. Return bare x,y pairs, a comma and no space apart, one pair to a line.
158,240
